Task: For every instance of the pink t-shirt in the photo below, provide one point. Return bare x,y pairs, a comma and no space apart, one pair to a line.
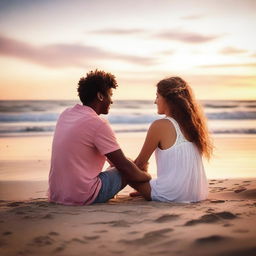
80,142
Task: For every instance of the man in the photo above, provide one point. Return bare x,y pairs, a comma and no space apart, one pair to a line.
82,142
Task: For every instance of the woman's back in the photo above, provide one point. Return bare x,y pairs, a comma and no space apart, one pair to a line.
180,172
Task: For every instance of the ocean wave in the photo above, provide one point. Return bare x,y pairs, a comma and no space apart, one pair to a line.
220,106
44,129
125,118
235,131
232,115
29,117
28,129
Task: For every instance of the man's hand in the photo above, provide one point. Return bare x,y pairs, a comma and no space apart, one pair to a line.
130,170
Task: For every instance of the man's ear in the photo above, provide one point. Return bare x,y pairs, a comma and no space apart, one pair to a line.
100,96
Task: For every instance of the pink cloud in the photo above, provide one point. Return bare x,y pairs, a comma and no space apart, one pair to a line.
63,55
232,50
186,37
118,31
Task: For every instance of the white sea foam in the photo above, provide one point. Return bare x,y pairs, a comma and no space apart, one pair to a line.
237,117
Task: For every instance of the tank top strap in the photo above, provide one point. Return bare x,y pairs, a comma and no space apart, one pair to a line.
175,124
180,136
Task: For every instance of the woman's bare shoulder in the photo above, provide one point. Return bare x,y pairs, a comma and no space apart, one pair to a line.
162,128
162,123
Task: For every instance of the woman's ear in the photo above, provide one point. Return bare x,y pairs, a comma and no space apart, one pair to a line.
100,96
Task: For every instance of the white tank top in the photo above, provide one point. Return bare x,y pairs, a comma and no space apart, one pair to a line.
180,172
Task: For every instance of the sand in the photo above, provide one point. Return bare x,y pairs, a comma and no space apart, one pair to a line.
222,225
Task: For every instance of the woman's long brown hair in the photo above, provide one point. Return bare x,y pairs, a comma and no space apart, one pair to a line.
187,112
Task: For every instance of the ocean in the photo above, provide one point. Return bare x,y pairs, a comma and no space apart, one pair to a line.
22,118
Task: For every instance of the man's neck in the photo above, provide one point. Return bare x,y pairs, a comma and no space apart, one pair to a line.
95,106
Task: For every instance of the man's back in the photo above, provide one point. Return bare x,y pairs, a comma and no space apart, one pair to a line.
80,142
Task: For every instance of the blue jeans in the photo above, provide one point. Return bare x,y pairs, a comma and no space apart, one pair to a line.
111,184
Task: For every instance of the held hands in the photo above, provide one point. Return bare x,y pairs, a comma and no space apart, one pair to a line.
143,167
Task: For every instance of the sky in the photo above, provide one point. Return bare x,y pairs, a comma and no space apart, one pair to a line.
47,46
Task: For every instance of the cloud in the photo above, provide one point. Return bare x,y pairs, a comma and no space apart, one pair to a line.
186,37
192,17
232,50
63,55
229,65
118,31
174,34
167,52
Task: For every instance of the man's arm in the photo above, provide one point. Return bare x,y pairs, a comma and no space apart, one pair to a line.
130,171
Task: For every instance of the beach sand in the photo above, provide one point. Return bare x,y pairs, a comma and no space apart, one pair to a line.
222,225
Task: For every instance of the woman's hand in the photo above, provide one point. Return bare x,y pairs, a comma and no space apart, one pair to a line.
143,167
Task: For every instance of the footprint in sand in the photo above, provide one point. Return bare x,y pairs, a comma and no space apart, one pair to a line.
166,218
7,233
148,238
118,252
53,233
14,204
240,190
227,225
217,201
24,252
42,241
101,231
64,244
75,239
210,210
91,237
133,232
212,218
48,216
157,233
118,223
19,213
210,239
61,247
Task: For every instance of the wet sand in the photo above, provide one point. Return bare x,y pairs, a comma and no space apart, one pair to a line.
28,158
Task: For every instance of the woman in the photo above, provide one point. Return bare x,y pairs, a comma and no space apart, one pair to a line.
179,140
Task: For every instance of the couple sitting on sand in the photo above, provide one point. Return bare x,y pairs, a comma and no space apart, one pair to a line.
83,141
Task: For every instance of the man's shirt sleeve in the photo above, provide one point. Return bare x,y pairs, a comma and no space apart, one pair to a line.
105,140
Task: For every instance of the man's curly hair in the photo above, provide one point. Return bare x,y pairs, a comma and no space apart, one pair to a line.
94,82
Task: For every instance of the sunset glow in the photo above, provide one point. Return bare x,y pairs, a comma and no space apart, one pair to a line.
46,46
